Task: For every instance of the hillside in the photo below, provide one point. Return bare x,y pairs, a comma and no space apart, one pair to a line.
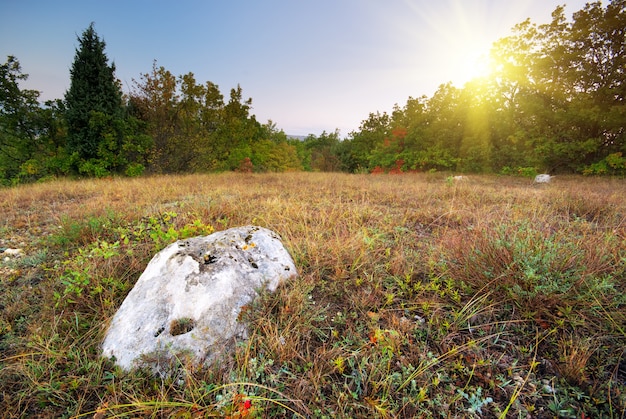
418,296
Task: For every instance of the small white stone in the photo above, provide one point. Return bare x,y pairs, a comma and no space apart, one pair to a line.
543,178
13,252
547,387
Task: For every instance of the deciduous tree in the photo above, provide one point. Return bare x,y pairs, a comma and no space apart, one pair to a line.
22,134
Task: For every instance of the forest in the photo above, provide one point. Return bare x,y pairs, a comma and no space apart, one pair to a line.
554,102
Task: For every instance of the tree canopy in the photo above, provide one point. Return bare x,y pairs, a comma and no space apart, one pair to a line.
554,101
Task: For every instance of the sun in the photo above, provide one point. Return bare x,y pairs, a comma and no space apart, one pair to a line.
476,65
454,41
470,62
463,40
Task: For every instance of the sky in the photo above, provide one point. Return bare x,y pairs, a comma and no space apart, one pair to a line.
308,65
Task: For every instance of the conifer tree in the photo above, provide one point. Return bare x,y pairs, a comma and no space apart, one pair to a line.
94,94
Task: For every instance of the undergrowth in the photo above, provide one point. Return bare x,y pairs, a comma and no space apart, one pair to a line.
417,297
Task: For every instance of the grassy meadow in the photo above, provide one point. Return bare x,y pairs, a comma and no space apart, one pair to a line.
418,297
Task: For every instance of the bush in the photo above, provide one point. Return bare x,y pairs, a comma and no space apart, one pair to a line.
613,164
135,170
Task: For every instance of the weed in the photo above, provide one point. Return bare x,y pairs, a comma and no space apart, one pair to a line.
80,232
475,401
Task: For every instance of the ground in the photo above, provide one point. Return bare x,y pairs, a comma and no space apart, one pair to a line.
417,297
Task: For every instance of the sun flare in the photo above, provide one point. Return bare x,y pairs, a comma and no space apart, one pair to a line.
476,65
470,62
464,37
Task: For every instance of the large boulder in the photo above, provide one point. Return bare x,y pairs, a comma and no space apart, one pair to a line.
186,303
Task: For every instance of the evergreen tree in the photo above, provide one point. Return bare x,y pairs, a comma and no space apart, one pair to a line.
94,96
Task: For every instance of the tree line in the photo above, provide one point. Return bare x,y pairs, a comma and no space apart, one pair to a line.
553,102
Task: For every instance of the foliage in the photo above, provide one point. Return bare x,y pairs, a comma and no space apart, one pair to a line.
613,164
93,101
269,156
21,124
320,152
371,133
554,101
193,128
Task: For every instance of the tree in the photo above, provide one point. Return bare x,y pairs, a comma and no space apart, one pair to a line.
322,152
598,51
239,130
273,153
445,118
20,120
154,100
93,102
357,150
554,101
562,84
192,127
476,144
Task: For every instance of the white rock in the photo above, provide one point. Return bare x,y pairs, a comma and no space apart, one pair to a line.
13,252
543,178
187,301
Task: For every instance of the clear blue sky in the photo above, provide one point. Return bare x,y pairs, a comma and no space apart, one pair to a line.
308,65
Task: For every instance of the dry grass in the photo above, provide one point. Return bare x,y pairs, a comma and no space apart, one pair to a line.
416,298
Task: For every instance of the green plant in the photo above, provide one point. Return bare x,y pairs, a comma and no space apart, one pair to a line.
79,271
613,164
161,230
80,232
476,401
134,170
98,266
